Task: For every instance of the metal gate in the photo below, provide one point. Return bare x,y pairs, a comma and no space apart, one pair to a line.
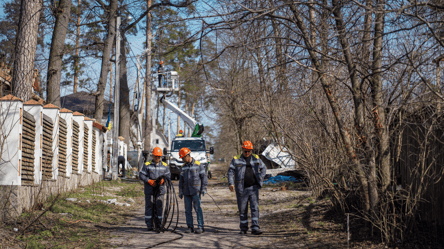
63,132
28,148
94,150
85,148
75,147
47,156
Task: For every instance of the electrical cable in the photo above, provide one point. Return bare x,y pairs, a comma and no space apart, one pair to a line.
214,202
171,205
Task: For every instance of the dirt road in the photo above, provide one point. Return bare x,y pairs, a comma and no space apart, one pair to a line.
221,226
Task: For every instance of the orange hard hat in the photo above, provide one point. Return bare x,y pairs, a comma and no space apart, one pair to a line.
183,152
247,145
161,62
181,131
157,152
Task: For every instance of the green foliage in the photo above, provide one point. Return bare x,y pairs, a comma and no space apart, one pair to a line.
46,233
8,28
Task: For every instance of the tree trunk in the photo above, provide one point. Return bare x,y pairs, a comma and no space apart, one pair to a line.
178,105
280,63
185,131
192,116
124,111
56,54
76,58
157,111
147,135
26,46
101,86
163,118
110,81
383,157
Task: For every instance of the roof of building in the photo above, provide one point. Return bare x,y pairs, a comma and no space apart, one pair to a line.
32,102
66,110
78,114
51,106
100,127
10,97
84,102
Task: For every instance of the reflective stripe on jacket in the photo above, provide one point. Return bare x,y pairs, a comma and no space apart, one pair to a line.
152,171
236,172
193,178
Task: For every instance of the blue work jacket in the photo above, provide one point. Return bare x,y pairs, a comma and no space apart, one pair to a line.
236,172
193,178
152,171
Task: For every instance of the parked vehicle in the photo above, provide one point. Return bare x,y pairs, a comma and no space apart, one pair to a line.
198,152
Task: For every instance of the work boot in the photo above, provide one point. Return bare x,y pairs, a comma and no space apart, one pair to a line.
189,230
149,229
256,232
198,231
242,232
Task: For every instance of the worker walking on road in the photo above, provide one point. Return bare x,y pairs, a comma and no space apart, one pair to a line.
153,174
192,184
246,175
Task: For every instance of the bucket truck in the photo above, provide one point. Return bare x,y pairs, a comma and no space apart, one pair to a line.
195,143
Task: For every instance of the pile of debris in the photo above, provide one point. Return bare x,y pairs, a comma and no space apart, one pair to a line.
278,155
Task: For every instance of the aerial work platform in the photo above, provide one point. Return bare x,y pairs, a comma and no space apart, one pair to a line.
169,82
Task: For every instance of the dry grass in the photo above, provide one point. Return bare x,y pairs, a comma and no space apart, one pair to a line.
80,224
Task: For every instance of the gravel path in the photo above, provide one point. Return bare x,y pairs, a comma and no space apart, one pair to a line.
221,226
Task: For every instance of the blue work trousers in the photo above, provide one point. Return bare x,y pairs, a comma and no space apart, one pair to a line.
190,202
249,195
149,211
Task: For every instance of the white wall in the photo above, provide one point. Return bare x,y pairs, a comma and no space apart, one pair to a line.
37,112
67,116
96,149
89,124
53,113
79,119
162,143
11,130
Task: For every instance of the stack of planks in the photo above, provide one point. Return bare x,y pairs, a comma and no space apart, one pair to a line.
94,151
28,148
47,156
75,147
85,148
63,133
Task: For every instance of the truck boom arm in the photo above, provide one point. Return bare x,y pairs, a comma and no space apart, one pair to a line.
189,120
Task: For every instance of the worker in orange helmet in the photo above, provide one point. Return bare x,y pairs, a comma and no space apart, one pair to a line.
192,184
153,174
160,72
180,134
247,171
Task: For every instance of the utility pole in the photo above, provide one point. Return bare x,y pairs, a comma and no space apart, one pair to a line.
147,130
139,113
115,140
169,129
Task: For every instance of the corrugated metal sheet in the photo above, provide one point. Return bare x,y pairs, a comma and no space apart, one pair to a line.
281,157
